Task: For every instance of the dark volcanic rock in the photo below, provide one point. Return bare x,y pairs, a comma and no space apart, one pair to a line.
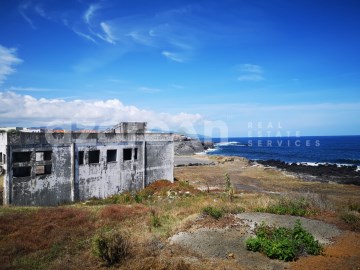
322,172
186,148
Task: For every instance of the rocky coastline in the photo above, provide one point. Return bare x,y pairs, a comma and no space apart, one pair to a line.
321,172
186,146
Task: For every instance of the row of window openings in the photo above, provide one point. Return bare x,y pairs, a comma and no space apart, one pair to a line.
111,155
26,156
26,171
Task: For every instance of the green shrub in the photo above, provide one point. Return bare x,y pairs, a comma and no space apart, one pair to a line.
350,218
283,243
298,207
111,246
354,206
353,219
155,219
213,212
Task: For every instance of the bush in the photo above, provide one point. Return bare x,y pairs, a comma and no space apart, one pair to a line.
283,243
354,206
213,212
111,246
155,219
352,219
298,207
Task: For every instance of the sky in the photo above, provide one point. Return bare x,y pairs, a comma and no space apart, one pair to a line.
219,68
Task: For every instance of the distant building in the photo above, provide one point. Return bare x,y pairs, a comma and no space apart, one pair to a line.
52,168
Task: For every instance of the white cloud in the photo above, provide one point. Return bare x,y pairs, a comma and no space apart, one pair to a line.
26,110
8,59
142,39
22,10
88,37
32,89
90,12
177,86
251,68
250,72
251,77
173,56
108,35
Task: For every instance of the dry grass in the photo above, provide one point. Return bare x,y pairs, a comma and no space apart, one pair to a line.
60,237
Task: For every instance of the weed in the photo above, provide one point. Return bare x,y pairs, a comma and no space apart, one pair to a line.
354,206
352,219
233,209
111,246
213,212
283,243
229,189
155,219
297,207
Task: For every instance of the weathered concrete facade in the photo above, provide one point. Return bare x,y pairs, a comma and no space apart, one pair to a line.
53,168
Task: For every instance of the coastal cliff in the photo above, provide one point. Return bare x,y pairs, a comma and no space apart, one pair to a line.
184,146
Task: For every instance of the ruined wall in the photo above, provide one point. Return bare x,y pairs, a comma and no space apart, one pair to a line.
159,158
122,172
36,181
50,169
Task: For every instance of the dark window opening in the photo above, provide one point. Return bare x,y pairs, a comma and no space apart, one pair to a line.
22,171
21,156
127,154
135,153
43,155
94,156
43,169
47,155
4,159
111,156
81,157
1,157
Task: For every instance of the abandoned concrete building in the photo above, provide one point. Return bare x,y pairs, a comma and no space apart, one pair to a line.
54,168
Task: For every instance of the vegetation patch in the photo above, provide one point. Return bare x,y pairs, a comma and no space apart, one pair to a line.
213,211
122,212
354,206
112,246
296,207
352,219
282,243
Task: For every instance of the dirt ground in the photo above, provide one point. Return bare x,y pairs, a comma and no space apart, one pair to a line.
343,245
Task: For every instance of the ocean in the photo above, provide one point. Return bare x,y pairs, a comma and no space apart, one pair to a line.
341,150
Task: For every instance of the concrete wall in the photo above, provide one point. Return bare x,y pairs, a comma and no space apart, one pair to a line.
74,175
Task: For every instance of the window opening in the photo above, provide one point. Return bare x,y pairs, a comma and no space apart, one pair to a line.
111,155
127,154
94,156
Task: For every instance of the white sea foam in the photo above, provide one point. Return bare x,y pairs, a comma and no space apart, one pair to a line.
326,163
226,143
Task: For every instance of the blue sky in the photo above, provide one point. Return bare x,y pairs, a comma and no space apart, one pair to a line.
229,68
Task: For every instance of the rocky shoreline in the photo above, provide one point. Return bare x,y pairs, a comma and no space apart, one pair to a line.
322,172
186,146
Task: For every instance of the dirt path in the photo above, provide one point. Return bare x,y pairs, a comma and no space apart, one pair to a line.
225,243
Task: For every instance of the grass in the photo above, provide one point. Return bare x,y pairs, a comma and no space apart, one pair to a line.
45,238
284,243
63,237
287,206
352,219
214,212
